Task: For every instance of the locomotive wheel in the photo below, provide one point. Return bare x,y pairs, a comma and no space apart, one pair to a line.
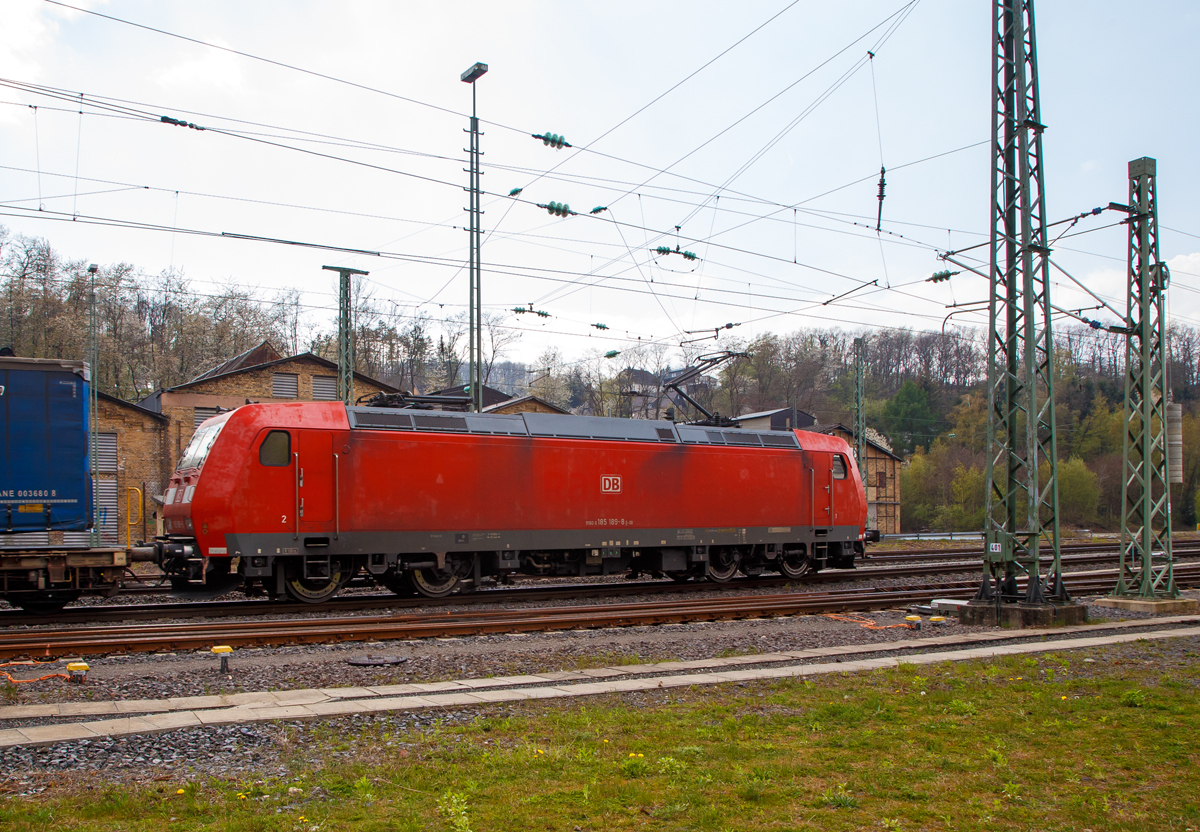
794,565
722,564
317,590
438,583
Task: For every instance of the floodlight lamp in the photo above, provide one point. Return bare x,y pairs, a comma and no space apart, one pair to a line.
473,73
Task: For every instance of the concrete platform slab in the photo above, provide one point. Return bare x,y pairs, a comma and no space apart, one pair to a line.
47,734
28,711
348,693
585,689
191,703
86,708
142,706
525,680
299,697
257,697
560,676
685,680
743,675
450,699
281,712
400,703
121,726
171,721
436,687
507,695
11,736
473,684
223,716
546,693
393,690
1156,605
339,707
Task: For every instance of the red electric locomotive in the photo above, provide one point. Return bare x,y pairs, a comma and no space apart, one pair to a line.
295,499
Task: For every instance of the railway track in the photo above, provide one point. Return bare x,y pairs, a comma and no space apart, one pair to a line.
128,638
561,592
491,596
1179,548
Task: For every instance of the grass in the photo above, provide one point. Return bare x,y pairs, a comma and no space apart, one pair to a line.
977,746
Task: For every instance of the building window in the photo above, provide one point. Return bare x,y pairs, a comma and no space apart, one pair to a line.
324,388
106,453
203,413
881,479
285,385
276,449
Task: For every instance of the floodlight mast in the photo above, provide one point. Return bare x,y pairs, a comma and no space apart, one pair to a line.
475,304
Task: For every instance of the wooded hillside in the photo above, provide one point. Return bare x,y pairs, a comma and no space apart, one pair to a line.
925,390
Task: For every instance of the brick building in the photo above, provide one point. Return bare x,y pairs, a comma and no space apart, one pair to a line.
131,454
258,375
881,478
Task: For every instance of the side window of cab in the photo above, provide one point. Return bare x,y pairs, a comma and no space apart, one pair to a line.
276,449
839,467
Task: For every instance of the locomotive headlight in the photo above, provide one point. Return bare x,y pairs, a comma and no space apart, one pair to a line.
189,524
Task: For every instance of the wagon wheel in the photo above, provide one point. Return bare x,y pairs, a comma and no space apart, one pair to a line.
318,590
794,564
438,583
45,602
723,564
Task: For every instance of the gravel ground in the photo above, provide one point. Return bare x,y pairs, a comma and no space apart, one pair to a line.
164,675
278,750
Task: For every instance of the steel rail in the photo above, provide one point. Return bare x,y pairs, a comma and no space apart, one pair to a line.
346,603
148,638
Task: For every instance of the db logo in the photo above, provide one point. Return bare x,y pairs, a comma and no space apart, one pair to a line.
610,485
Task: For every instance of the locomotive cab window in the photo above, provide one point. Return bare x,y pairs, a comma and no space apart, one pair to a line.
276,449
197,450
839,467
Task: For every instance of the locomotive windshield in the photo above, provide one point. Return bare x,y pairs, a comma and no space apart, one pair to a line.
197,450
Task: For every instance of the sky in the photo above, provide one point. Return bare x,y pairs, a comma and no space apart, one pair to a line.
750,134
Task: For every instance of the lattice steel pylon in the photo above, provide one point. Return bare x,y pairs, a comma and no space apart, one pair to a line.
1022,457
1147,568
345,342
860,415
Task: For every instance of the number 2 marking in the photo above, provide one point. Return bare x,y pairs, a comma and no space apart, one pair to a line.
284,520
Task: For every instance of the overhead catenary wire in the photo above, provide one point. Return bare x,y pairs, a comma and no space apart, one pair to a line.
151,116
795,256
